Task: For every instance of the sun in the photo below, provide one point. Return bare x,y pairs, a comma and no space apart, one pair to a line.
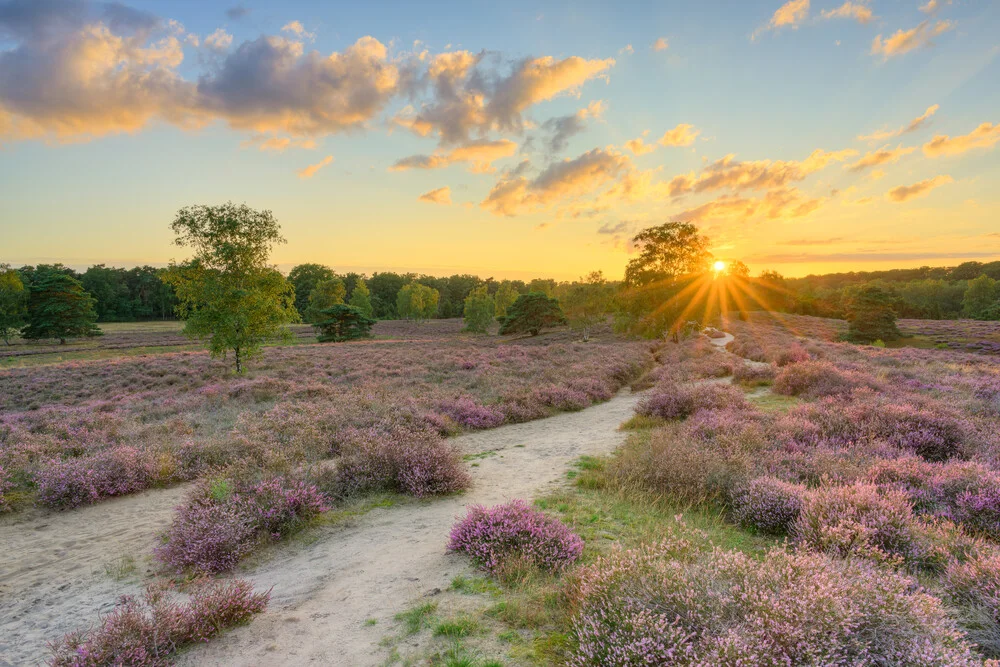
719,266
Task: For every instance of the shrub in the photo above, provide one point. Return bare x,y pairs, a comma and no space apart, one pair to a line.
561,398
768,504
495,536
340,323
466,412
148,631
857,520
815,379
793,354
5,485
87,479
531,313
975,586
417,462
663,605
670,401
755,374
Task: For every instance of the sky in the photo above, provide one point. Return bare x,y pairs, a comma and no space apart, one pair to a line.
512,140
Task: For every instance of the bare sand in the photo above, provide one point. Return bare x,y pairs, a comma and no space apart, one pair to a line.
53,578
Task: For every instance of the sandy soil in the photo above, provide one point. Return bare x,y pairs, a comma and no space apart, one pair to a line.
53,579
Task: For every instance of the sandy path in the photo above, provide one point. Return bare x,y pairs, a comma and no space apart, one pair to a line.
52,576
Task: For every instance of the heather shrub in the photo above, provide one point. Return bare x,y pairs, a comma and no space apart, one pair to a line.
793,354
514,531
754,375
857,520
416,462
87,479
222,521
6,485
815,379
746,347
469,414
974,585
768,504
147,632
670,401
663,605
562,398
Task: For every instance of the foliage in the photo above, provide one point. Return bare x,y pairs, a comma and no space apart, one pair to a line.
981,300
871,317
304,278
341,323
479,310
361,298
514,534
504,298
665,252
531,313
417,302
587,302
147,632
768,504
13,302
327,293
58,307
228,294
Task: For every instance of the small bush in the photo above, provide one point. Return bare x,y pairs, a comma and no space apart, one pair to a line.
793,354
466,412
815,379
494,536
665,605
754,374
148,631
768,504
670,401
88,479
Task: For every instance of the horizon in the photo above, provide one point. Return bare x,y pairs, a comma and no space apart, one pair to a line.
807,138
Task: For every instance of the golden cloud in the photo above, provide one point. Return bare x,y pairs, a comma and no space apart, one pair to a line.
984,136
310,171
912,126
439,196
884,155
849,10
904,41
480,153
754,175
682,135
780,203
661,44
906,192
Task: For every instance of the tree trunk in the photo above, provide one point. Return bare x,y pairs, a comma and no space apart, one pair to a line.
239,362
62,341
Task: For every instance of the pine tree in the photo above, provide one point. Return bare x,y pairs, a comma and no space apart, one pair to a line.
58,307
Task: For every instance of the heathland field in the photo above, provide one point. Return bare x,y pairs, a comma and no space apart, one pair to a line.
764,494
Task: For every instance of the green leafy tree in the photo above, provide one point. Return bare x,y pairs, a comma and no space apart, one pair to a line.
478,310
871,316
981,295
109,287
342,322
384,291
59,307
304,278
504,298
329,292
361,298
13,302
228,294
544,285
531,313
587,302
417,302
667,251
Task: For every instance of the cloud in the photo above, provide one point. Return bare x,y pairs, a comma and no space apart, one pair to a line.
310,171
914,125
904,41
791,14
781,203
930,7
754,175
469,99
682,135
561,180
562,128
626,50
849,10
661,44
439,196
238,12
884,155
297,29
277,144
219,40
906,192
984,136
621,227
862,256
638,147
480,153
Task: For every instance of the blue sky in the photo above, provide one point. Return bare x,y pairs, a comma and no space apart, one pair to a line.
113,117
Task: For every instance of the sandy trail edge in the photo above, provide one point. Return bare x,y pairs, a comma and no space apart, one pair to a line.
52,579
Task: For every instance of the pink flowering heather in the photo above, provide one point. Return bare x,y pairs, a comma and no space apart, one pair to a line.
814,379
754,374
664,605
84,480
671,401
768,504
793,354
221,523
562,398
5,486
469,414
494,536
147,632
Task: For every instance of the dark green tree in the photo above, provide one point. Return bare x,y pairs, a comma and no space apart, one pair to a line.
871,316
228,293
981,297
13,302
329,292
109,287
59,307
531,313
342,322
384,288
304,278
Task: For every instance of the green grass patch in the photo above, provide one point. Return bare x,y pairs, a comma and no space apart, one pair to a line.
461,626
639,422
416,619
771,402
474,585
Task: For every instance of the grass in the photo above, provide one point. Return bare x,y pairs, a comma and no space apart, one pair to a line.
416,619
771,402
121,567
462,626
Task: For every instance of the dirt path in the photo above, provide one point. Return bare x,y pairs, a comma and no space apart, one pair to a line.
52,575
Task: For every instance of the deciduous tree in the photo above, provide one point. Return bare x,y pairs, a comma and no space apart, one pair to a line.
504,298
417,302
228,293
587,302
304,278
531,313
327,293
361,298
478,310
13,302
